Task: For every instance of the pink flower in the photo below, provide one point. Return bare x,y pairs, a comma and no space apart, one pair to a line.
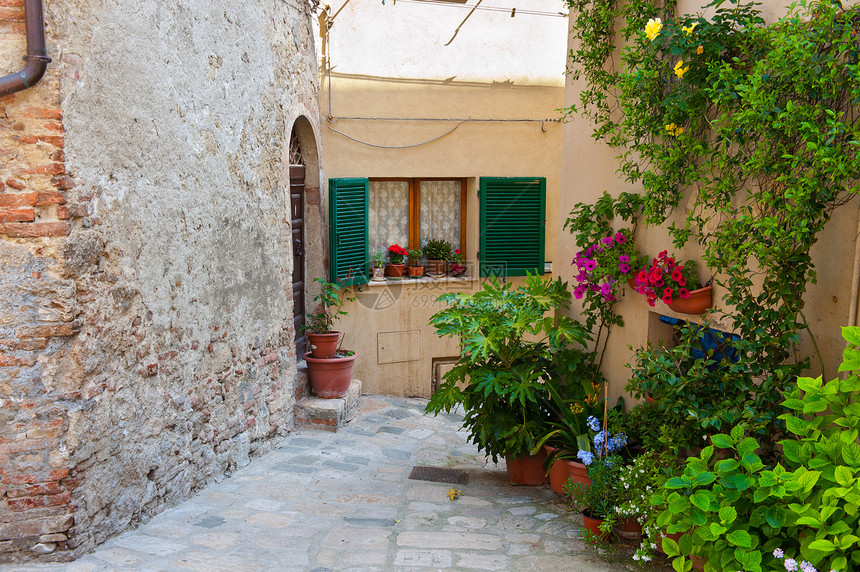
620,238
579,292
676,275
606,240
605,288
623,258
590,264
663,254
625,268
684,293
610,298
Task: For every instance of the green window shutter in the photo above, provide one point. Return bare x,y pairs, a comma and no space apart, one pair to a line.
348,255
512,226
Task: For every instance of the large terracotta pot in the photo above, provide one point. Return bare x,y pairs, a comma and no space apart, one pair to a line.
415,270
436,267
698,302
558,473
395,270
323,346
578,472
330,378
592,524
527,469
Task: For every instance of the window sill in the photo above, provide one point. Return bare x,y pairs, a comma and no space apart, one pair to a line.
405,281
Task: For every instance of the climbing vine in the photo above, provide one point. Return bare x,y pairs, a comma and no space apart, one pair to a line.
753,126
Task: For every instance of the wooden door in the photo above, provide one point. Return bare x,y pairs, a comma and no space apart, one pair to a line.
297,223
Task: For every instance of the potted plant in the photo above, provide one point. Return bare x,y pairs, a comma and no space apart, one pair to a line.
458,263
329,368
414,263
437,253
395,265
377,261
596,500
674,284
507,347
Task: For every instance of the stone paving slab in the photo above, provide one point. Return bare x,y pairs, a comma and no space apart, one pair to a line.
321,501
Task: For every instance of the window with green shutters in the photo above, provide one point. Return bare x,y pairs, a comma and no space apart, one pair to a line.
349,258
512,226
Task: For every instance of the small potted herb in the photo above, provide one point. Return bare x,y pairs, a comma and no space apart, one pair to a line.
377,262
414,263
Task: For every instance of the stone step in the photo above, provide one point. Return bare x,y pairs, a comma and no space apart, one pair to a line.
328,414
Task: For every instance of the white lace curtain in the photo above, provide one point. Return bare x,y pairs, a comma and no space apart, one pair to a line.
440,211
388,214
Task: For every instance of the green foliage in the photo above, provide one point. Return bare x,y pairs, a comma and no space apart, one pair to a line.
512,348
601,496
414,257
590,224
377,259
437,250
332,297
755,126
734,511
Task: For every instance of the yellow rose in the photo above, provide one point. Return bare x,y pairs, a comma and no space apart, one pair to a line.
689,29
653,27
680,70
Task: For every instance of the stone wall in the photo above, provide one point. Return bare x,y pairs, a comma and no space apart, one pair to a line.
146,343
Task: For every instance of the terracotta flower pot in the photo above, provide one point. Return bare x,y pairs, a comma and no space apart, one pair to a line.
436,267
592,524
415,271
527,469
558,473
698,302
629,529
330,378
395,270
578,472
323,346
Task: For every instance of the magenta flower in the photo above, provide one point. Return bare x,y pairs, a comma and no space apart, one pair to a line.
605,288
620,238
623,258
607,240
590,264
579,292
684,294
625,268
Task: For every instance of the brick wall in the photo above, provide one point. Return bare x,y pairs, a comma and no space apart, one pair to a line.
146,343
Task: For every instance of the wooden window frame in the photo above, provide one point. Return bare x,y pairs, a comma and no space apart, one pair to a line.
415,206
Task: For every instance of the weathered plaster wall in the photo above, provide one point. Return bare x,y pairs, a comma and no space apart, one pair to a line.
147,342
391,62
589,168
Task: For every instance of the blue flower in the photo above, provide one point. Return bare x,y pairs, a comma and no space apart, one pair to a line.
586,457
593,423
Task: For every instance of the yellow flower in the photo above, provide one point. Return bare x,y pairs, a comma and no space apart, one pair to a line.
699,50
653,27
674,130
680,70
689,29
454,494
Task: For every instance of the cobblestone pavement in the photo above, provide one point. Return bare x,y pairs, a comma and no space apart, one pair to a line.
343,501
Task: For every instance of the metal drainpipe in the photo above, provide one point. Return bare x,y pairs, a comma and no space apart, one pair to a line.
37,56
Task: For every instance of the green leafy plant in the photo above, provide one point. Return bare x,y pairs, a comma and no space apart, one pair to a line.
755,124
599,498
377,259
331,299
510,343
437,250
414,257
736,513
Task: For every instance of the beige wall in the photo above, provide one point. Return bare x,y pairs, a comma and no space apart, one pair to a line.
472,150
588,168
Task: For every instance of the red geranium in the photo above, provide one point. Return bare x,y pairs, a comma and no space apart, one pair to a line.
396,254
665,279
